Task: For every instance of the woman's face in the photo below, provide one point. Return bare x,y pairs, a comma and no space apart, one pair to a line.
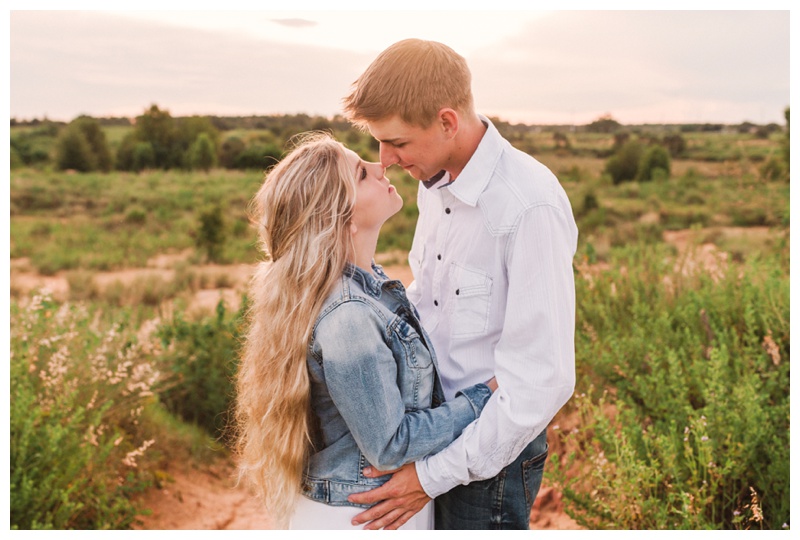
376,199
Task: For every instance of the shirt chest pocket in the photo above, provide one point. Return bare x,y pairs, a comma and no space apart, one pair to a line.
471,294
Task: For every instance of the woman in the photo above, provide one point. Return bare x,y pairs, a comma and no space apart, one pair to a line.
336,372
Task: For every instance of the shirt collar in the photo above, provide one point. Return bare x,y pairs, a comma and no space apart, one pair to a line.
476,174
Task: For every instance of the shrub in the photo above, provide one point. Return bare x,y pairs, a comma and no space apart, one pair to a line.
655,158
691,427
624,164
73,152
211,234
203,358
202,154
78,387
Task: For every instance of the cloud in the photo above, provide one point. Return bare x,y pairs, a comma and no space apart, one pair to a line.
733,65
65,64
295,23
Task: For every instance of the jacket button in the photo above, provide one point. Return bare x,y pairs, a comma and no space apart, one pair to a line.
435,302
439,257
458,290
446,210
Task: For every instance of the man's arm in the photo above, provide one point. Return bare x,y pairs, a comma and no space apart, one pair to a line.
534,363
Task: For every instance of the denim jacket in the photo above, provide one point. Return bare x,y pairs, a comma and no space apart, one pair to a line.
375,389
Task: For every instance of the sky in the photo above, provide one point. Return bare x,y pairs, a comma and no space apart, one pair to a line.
535,67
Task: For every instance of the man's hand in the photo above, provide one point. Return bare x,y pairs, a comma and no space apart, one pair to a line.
402,497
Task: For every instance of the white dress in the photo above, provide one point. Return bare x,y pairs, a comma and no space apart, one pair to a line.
314,515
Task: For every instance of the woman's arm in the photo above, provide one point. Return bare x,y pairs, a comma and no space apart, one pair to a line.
361,374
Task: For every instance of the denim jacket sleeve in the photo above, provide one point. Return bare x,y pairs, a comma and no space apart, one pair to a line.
361,375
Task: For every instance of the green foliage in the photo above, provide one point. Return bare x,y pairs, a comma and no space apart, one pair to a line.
160,141
203,358
604,124
78,387
203,155
258,156
143,156
623,166
785,144
693,431
229,151
675,143
211,233
774,169
655,158
82,146
73,152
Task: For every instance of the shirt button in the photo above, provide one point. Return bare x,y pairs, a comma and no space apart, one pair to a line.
435,302
439,257
446,210
457,291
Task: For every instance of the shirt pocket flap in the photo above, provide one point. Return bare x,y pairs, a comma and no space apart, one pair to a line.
470,282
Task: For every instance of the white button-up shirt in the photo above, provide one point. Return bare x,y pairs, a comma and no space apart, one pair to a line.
493,282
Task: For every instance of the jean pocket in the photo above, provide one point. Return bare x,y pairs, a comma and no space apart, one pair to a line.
532,472
472,298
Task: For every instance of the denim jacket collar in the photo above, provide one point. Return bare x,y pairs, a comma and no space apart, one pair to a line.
372,283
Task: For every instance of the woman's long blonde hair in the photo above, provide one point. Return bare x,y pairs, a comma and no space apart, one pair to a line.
302,212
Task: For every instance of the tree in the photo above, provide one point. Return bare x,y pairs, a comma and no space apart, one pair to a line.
211,235
96,138
203,154
675,143
604,124
230,150
624,164
74,152
143,157
655,158
158,128
82,146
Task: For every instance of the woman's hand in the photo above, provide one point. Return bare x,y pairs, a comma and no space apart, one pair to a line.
492,384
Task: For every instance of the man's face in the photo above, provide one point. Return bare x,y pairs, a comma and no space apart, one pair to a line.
422,152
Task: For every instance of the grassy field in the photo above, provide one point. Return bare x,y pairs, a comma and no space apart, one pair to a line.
681,414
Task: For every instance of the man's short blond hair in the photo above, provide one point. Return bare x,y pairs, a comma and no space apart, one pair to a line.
413,79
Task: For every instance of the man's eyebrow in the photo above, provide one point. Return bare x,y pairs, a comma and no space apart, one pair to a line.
390,141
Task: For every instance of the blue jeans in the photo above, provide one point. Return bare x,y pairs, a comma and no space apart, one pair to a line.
502,502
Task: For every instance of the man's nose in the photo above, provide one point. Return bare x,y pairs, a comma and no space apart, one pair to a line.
388,155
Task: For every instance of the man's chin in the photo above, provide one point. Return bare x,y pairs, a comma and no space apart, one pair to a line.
415,173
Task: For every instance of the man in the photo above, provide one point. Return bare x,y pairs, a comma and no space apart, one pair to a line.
493,282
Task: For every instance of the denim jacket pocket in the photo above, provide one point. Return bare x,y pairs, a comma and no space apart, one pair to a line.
471,300
416,353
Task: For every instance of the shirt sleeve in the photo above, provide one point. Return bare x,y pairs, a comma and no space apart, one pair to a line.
361,374
534,358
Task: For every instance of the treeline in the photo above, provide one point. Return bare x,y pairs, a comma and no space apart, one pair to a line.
157,140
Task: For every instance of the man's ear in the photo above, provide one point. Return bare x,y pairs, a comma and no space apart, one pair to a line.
448,119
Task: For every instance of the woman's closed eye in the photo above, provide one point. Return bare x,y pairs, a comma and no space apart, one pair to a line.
363,173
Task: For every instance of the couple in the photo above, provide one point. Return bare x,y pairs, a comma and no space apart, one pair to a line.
358,401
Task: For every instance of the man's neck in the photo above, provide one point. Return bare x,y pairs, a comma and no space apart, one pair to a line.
469,136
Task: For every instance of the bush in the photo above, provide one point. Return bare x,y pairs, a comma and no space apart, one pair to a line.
691,427
773,169
78,387
202,154
624,164
203,358
82,146
655,158
73,152
211,234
